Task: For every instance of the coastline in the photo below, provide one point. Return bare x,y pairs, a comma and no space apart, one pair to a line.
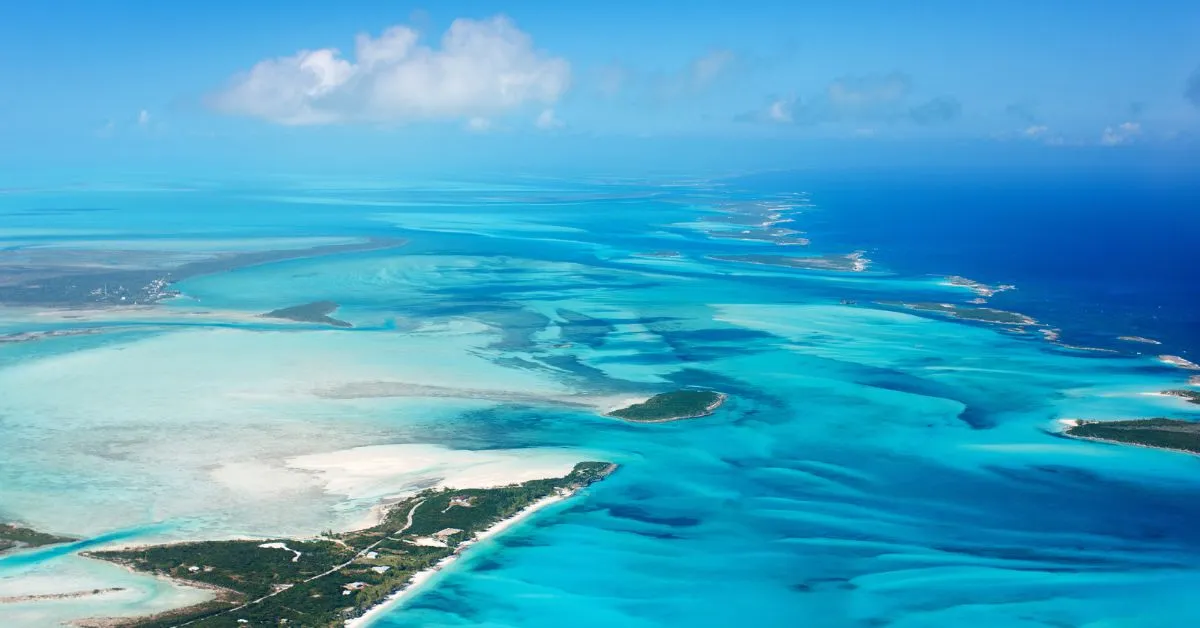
397,589
421,578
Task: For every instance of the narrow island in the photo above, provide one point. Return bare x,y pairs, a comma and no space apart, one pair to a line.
73,278
782,237
1192,396
1171,434
14,537
1141,339
672,406
981,289
851,262
335,578
979,314
315,312
1177,361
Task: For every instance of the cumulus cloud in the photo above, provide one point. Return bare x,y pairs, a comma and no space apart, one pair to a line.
548,120
1123,133
481,68
780,111
1191,89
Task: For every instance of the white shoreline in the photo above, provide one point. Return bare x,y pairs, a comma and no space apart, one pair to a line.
420,578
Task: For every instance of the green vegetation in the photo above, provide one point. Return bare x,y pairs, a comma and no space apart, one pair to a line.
1190,395
16,537
338,576
315,312
672,406
1160,433
853,262
980,314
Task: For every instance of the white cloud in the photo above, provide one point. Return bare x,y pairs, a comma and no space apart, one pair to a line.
478,124
1036,130
780,111
143,118
1121,134
548,120
481,68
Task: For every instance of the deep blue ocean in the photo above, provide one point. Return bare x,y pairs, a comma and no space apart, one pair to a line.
1098,256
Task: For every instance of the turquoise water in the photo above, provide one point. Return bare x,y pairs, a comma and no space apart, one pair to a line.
871,467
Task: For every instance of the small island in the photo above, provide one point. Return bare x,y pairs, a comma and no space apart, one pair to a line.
981,289
315,312
1172,434
782,237
1192,396
978,314
335,578
1180,362
14,537
1141,339
672,406
851,262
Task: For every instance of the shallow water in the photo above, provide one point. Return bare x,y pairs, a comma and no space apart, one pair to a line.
872,467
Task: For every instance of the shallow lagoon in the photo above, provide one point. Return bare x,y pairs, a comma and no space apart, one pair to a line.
871,467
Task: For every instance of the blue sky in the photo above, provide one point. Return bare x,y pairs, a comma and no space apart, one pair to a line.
745,82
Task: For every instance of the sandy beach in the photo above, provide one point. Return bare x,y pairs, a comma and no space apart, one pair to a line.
422,578
1182,363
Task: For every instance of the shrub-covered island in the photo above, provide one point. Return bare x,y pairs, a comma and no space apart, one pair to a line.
980,314
14,537
325,581
672,406
315,312
1158,433
1192,396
